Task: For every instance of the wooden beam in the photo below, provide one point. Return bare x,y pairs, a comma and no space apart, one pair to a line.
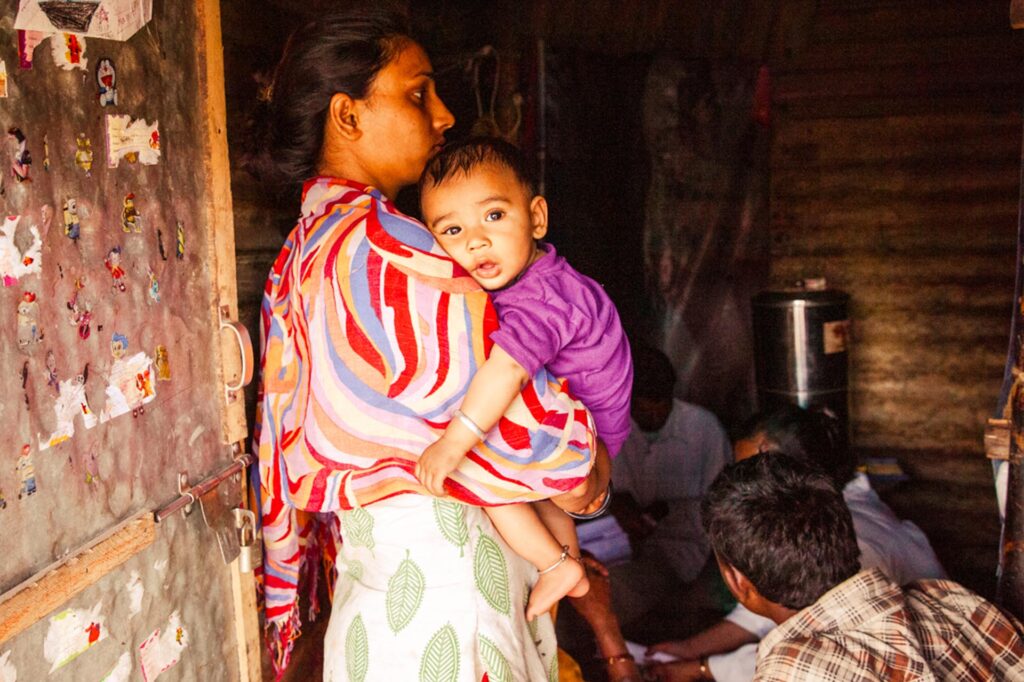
35,598
219,215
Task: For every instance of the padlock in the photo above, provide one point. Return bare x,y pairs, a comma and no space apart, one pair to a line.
247,541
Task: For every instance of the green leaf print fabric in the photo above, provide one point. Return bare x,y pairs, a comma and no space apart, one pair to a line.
428,591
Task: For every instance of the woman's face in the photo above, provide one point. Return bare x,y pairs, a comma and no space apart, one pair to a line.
403,121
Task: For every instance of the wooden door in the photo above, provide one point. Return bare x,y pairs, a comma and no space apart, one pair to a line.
116,261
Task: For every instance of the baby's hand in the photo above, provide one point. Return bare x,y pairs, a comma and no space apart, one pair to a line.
436,462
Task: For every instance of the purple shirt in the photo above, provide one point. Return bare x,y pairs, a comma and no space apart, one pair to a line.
552,316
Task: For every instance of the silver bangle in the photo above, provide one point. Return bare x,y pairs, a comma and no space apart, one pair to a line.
470,424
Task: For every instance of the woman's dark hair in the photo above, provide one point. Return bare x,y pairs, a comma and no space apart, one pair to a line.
464,156
784,526
810,435
339,51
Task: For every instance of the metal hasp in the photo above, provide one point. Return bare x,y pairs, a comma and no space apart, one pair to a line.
189,496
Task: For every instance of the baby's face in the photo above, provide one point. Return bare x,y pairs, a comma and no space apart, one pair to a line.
487,222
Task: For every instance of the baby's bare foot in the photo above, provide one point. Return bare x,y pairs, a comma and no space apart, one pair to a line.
568,578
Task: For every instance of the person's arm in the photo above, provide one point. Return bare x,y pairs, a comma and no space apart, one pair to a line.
492,390
720,638
596,608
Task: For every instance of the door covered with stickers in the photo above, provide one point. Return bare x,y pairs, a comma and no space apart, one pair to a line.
120,469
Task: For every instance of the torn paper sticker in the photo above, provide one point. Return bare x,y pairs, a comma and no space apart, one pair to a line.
122,671
132,140
70,403
72,633
69,51
162,651
27,42
15,263
107,19
3,83
135,593
130,385
7,670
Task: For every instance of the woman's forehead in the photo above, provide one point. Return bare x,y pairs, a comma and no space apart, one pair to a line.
411,62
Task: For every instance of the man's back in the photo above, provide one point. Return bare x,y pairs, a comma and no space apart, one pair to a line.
867,628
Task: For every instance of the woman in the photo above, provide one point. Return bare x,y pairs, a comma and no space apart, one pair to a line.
370,336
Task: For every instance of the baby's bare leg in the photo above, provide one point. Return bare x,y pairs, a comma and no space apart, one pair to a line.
522,528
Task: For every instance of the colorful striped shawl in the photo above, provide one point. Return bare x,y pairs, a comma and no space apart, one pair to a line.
370,336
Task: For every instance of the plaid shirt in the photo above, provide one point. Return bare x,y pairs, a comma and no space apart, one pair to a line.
867,628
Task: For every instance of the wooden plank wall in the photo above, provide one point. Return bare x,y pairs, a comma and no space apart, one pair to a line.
895,172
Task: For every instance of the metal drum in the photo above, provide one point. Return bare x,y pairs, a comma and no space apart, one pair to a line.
801,350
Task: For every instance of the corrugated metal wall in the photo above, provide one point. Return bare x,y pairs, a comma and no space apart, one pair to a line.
895,172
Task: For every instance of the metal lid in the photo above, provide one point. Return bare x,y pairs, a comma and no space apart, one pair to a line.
785,298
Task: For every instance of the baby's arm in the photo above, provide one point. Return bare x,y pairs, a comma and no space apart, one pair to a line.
491,391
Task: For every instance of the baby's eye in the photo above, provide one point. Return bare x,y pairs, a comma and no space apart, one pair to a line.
495,215
451,231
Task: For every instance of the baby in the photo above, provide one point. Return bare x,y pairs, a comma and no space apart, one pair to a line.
478,202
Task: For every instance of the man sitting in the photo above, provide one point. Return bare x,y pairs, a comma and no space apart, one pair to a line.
786,548
672,455
727,651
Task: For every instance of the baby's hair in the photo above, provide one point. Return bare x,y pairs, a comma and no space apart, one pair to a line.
465,156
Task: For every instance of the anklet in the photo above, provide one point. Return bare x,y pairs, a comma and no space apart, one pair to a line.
561,560
470,424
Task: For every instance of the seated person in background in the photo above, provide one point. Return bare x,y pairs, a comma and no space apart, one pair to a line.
671,456
727,650
785,544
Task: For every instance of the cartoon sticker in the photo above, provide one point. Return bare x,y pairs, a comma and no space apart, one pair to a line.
161,652
106,80
28,321
130,385
21,163
92,470
14,263
3,78
26,472
72,225
154,287
163,364
69,51
83,153
131,219
81,312
179,249
72,632
135,141
51,372
46,153
27,42
71,402
113,263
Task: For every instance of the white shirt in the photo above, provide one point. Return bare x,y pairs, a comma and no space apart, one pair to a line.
675,465
899,548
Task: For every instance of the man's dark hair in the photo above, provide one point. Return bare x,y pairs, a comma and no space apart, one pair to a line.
654,377
784,526
810,435
465,156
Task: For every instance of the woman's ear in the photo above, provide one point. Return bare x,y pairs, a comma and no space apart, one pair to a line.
539,216
343,117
